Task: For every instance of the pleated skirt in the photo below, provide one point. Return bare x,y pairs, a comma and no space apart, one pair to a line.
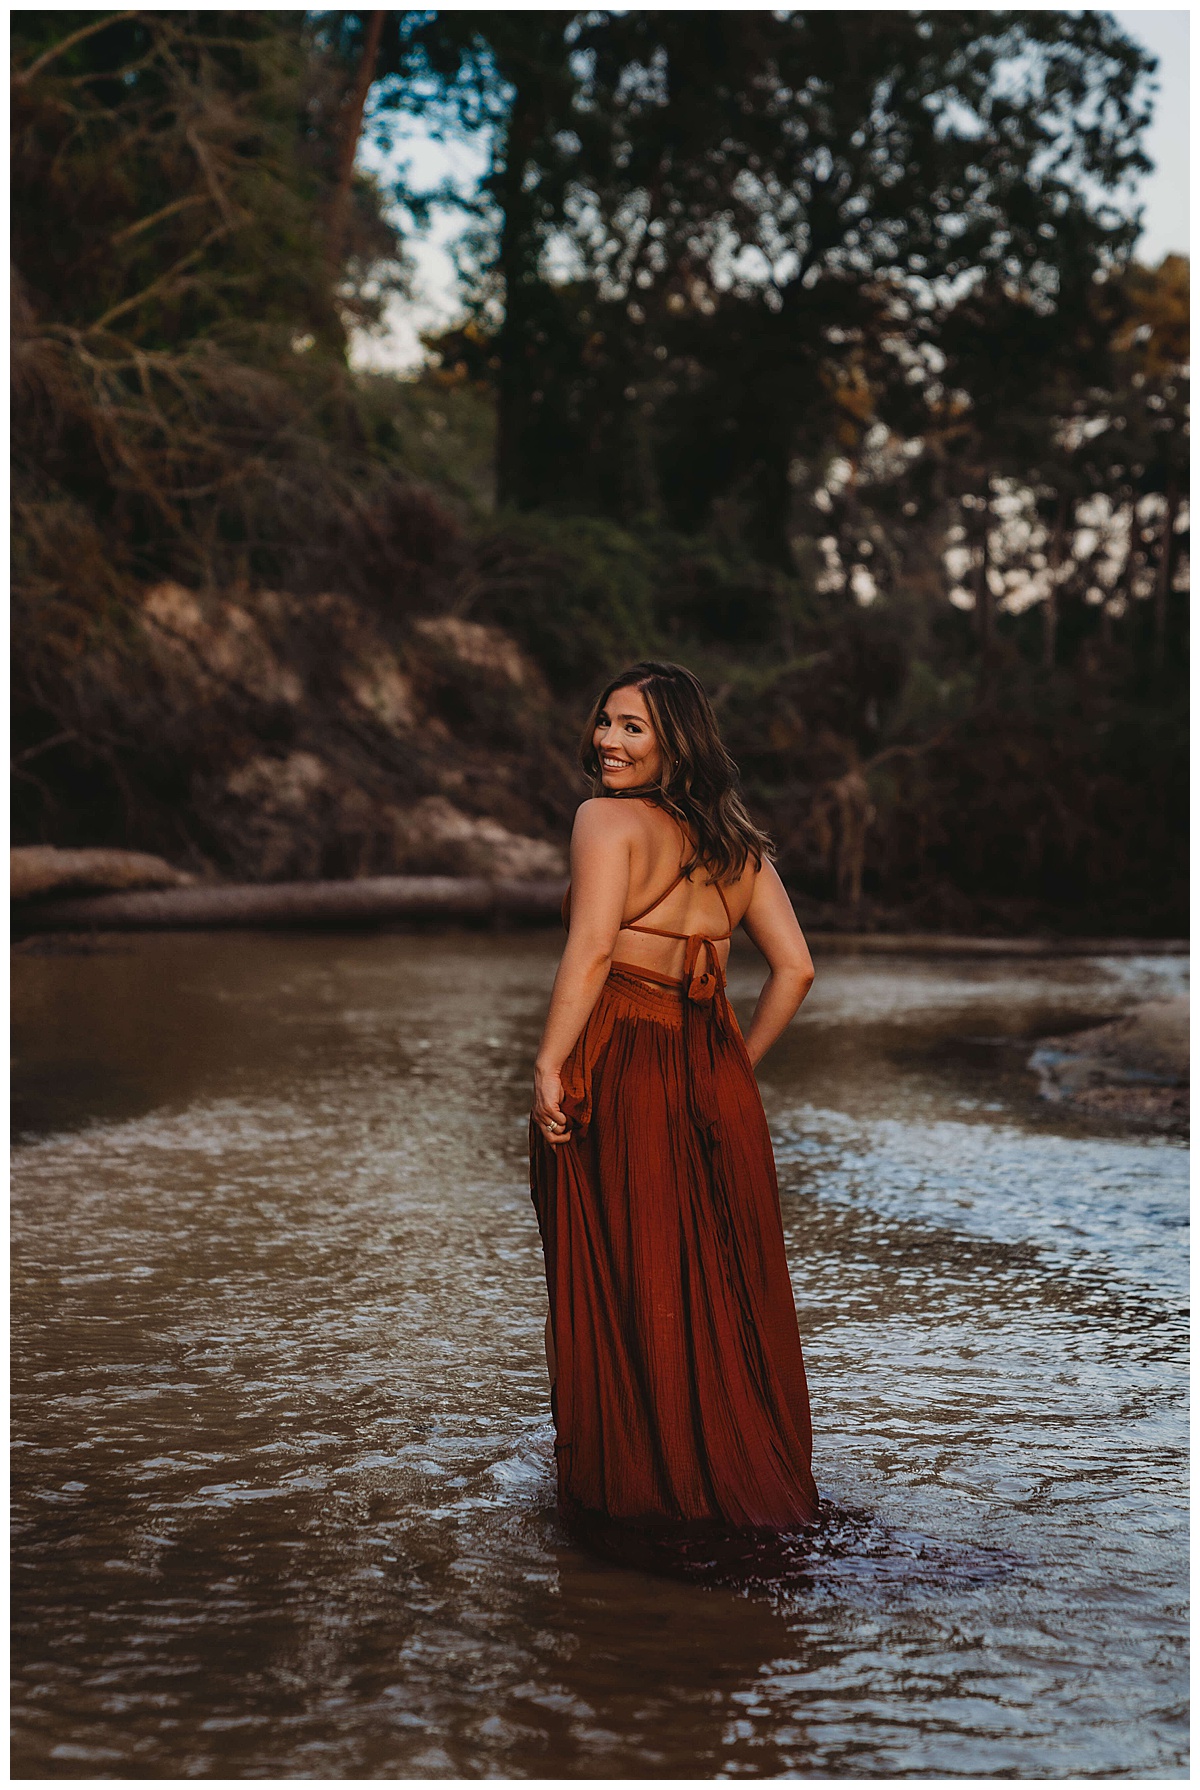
680,1399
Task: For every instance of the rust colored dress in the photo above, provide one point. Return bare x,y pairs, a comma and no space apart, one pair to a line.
680,1401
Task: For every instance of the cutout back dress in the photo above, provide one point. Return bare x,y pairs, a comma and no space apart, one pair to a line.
680,1400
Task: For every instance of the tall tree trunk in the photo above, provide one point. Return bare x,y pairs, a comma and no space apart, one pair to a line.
518,266
984,608
1162,583
796,389
773,499
1124,586
351,130
1050,612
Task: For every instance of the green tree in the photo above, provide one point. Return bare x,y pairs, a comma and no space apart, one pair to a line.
180,334
730,197
182,405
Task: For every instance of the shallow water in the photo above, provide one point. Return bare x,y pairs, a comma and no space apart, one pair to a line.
283,1482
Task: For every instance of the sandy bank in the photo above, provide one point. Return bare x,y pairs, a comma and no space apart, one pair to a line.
1136,1067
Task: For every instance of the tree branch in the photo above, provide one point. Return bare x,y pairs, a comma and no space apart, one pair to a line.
132,230
164,281
219,196
56,739
891,753
68,43
351,131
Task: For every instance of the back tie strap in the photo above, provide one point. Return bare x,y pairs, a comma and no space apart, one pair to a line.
702,983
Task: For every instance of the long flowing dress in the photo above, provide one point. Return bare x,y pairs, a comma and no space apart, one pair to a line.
680,1401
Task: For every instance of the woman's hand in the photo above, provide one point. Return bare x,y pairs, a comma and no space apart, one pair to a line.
548,1114
600,857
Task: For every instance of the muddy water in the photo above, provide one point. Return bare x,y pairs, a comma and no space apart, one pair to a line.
283,1478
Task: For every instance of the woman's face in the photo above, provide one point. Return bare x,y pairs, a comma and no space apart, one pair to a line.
625,742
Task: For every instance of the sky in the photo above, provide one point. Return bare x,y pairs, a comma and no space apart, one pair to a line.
1163,194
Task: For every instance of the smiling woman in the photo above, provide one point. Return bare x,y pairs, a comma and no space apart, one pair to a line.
625,744
677,1381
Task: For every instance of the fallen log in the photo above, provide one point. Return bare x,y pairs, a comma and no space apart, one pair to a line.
376,900
36,870
367,901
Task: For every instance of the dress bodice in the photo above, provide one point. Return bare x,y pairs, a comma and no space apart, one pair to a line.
701,985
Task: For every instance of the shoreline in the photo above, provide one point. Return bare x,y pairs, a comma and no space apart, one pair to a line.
948,944
31,940
89,891
419,901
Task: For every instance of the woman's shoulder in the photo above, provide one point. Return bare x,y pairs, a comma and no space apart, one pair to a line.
606,817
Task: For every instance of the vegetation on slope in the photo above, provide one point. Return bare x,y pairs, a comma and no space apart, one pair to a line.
904,482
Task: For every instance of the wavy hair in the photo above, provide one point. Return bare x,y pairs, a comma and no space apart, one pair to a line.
699,784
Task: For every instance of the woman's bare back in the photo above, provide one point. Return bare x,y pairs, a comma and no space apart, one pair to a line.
658,851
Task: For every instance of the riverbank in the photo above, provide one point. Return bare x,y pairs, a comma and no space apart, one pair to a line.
135,892
1135,1067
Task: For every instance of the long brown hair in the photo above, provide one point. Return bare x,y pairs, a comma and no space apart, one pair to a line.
699,783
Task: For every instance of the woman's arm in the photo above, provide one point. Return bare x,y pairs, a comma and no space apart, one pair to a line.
600,857
771,922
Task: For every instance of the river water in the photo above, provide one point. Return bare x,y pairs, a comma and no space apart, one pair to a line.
283,1479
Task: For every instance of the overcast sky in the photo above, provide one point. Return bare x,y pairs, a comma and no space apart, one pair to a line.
1164,194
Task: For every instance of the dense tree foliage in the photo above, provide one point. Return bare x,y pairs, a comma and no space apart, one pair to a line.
740,201
807,347
180,335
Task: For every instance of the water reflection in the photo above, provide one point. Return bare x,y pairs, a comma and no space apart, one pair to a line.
283,1479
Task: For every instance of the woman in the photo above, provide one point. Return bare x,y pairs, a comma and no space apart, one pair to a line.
677,1382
